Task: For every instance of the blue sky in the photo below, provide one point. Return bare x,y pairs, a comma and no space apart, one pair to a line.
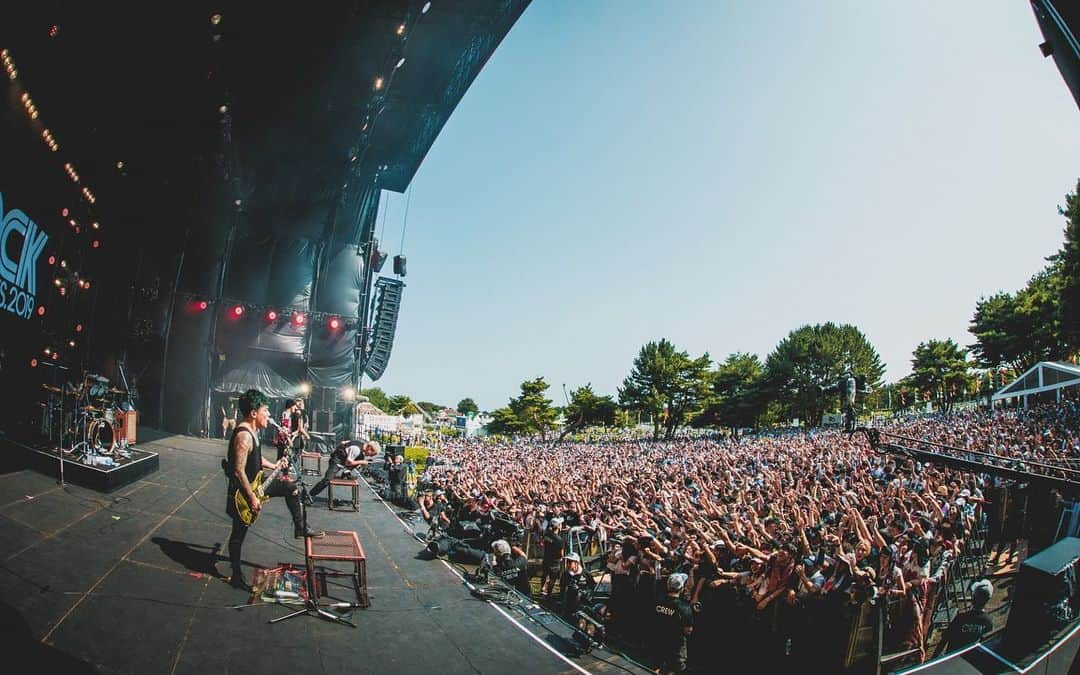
719,174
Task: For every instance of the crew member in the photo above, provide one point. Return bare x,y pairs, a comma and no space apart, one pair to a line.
348,455
674,622
553,549
511,566
573,585
395,474
972,625
244,462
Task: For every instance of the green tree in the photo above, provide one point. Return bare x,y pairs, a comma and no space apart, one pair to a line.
586,409
738,400
377,397
667,384
467,405
941,367
1021,329
529,413
812,358
1068,263
397,403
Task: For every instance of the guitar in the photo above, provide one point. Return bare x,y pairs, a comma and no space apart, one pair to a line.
243,507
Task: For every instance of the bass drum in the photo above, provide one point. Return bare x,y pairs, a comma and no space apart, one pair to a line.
102,437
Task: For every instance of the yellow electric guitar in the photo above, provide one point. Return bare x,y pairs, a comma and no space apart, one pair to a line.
258,486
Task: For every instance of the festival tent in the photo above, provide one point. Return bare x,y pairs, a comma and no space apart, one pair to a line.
255,374
1045,376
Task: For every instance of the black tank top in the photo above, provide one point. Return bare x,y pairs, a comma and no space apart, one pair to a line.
254,458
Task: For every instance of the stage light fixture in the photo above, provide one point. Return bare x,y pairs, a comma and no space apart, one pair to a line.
63,290
96,225
57,282
400,63
95,244
215,18
305,388
223,109
334,323
41,310
425,8
238,310
71,343
86,284
299,318
120,165
400,29
378,83
33,363
348,394
64,212
54,30
55,356
78,328
52,260
47,351
271,315
202,305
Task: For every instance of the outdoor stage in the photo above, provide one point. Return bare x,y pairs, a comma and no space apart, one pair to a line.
127,583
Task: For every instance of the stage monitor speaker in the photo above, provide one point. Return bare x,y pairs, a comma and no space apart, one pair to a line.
1044,599
324,421
399,265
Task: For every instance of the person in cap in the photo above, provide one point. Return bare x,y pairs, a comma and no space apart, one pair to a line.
553,544
673,624
574,584
511,565
970,626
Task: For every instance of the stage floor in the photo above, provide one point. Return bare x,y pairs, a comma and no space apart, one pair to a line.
128,582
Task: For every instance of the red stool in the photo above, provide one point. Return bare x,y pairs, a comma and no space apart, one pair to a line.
305,463
342,546
342,483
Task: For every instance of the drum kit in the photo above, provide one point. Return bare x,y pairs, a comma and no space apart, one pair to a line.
93,417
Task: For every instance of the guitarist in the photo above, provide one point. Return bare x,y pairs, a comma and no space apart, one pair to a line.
349,454
244,462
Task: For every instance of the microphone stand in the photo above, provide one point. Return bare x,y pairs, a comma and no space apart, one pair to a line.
311,606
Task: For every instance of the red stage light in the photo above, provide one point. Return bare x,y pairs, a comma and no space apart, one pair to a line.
299,318
64,212
238,310
95,244
41,310
33,363
202,305
52,260
271,315
335,323
55,355
78,328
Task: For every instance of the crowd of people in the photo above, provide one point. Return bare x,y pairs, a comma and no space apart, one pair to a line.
764,547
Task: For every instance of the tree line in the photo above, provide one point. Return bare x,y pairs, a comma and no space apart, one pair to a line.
670,388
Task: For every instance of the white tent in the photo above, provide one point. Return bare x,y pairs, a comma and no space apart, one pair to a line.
1042,377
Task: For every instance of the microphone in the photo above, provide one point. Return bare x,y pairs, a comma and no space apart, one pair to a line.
273,423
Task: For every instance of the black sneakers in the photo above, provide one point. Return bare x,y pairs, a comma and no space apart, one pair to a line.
315,534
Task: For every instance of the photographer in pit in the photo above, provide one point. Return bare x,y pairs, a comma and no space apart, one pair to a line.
435,509
575,586
673,624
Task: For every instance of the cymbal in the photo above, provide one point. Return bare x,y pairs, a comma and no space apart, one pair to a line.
47,387
90,408
116,391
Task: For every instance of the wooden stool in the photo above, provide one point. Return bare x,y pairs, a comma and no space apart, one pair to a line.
340,546
305,463
344,482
